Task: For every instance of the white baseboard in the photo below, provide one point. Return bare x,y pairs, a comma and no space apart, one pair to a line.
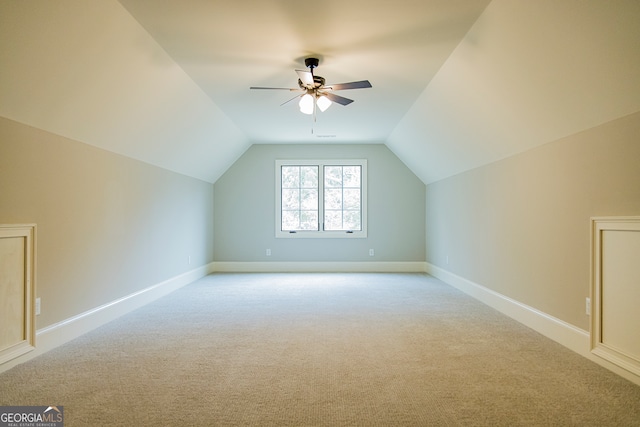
52,336
574,338
319,267
570,336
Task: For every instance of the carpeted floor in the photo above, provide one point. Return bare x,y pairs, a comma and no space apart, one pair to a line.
320,349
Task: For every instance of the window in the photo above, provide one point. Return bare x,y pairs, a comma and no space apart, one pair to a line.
321,198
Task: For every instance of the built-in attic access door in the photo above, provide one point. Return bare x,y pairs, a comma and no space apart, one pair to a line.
17,290
615,327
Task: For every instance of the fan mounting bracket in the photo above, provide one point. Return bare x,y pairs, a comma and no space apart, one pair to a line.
311,63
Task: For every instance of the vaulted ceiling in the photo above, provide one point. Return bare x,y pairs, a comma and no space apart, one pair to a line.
456,83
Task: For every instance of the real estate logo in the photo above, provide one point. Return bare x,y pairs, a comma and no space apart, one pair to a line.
31,416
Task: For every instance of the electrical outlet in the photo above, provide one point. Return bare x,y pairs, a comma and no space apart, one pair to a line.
189,259
447,259
588,306
371,252
37,306
268,252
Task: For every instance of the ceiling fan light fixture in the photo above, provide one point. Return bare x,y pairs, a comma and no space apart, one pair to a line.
323,103
306,104
314,90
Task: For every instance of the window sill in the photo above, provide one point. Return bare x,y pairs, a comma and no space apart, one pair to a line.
321,235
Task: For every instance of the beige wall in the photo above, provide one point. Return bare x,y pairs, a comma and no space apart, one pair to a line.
107,225
521,226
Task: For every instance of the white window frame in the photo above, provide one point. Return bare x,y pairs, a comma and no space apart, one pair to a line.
321,233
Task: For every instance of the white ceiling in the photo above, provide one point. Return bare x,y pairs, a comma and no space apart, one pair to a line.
456,84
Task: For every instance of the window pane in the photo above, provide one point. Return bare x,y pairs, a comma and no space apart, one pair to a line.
351,176
309,177
333,220
333,199
332,176
309,199
290,220
290,199
308,220
351,198
352,220
290,176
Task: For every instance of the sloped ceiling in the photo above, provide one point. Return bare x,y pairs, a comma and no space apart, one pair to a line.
526,74
88,71
456,84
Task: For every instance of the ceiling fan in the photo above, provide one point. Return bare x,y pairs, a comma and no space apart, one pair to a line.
315,92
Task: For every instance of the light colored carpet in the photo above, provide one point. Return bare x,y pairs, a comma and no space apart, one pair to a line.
320,349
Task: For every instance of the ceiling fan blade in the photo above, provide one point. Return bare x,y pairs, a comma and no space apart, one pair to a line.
286,102
351,85
338,99
305,77
276,88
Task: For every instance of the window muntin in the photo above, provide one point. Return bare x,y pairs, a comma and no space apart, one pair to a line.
321,198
